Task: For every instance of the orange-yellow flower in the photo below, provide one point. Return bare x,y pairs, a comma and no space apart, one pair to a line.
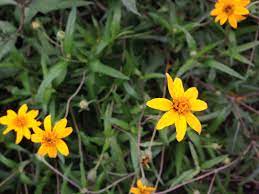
232,10
51,139
20,122
179,109
142,189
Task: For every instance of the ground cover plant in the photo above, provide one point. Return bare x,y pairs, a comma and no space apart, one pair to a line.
126,96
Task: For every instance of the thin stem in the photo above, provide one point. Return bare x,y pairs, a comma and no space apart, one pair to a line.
8,178
211,184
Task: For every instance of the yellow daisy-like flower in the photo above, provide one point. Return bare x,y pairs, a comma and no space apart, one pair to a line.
20,122
179,109
232,10
142,189
51,139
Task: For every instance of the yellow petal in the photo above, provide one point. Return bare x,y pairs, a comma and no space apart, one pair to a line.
135,190
37,130
193,122
217,18
11,114
140,184
60,125
36,138
167,119
169,84
64,132
241,10
198,105
4,120
47,123
232,21
178,90
23,109
43,150
62,147
33,114
223,19
215,12
52,152
26,133
181,127
19,136
191,93
7,130
162,104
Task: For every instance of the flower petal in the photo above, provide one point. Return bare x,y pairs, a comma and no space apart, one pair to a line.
167,119
26,133
43,150
7,130
140,184
178,89
36,138
62,147
191,93
23,109
162,104
232,21
11,114
52,151
60,125
32,114
64,132
215,12
4,120
181,127
37,130
241,10
169,84
47,123
223,19
134,190
194,122
198,105
19,136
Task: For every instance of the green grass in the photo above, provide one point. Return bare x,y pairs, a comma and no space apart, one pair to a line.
123,48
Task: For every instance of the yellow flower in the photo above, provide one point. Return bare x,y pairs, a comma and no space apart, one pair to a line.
21,123
232,10
142,189
51,139
179,109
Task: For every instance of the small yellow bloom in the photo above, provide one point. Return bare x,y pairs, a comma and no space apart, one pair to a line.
142,189
232,10
21,123
51,139
179,109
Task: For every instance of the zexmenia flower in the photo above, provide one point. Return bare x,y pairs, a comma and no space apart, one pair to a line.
142,189
51,139
179,109
232,10
21,123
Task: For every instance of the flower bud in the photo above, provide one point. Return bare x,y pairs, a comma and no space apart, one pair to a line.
35,25
60,35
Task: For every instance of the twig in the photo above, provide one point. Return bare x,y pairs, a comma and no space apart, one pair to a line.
215,171
57,178
161,166
8,178
110,186
58,172
211,184
22,18
73,95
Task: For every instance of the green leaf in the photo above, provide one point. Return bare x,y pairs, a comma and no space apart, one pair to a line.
131,6
53,73
221,67
194,155
98,67
179,155
213,162
69,33
7,2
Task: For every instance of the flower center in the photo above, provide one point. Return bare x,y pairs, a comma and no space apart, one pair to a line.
20,122
49,138
228,9
181,106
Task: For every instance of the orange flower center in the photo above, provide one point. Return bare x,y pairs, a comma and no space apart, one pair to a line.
20,122
228,9
49,138
181,106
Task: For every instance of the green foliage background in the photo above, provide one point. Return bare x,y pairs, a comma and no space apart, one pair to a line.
123,47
